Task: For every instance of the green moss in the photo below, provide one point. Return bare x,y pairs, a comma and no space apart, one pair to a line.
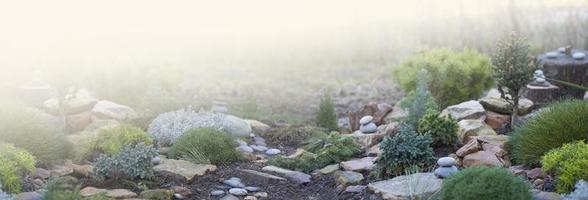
14,164
569,163
454,76
560,123
322,151
206,145
483,183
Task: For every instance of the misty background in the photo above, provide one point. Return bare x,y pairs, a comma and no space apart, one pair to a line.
268,59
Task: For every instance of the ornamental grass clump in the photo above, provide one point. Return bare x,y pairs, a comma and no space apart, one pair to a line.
405,150
560,123
15,163
206,146
569,163
483,183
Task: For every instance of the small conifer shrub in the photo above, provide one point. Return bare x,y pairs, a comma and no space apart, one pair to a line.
483,183
405,150
326,116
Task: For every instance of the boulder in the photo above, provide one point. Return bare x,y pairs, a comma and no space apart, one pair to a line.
414,186
120,194
493,102
359,165
374,151
78,104
481,158
472,127
329,169
472,146
236,126
111,110
91,191
347,178
294,176
497,121
397,114
82,171
466,110
41,173
378,111
184,168
257,127
536,173
28,196
367,140
78,122
547,196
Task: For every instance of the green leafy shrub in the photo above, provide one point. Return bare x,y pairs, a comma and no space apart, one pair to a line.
443,130
418,101
34,131
405,150
111,140
206,145
560,123
133,161
321,151
569,163
483,183
455,76
14,164
326,116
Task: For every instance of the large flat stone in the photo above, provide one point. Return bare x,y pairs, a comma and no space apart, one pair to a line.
467,110
471,127
481,158
294,176
184,168
414,186
359,165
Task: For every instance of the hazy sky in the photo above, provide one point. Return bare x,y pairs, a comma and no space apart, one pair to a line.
79,32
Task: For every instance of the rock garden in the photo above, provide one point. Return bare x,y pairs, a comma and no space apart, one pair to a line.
469,126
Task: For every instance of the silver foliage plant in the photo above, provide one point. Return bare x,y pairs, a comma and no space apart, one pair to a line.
581,191
166,128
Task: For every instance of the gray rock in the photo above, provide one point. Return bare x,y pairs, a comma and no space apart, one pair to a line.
155,160
329,169
238,191
579,55
368,128
366,120
444,172
28,196
111,110
294,176
467,110
346,178
414,186
217,193
446,162
253,189
229,197
586,95
183,168
272,152
245,149
236,183
552,54
258,148
241,142
355,188
259,141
